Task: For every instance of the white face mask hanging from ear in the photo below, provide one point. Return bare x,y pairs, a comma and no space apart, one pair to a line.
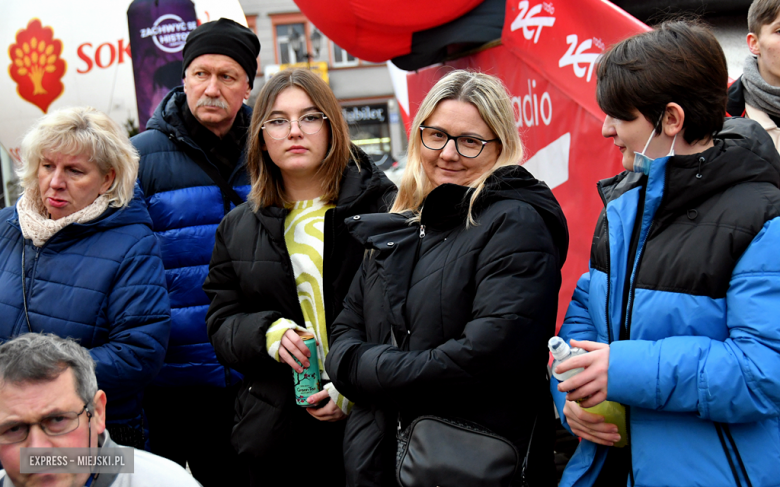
643,162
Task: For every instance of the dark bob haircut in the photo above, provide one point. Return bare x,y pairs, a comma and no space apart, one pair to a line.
681,62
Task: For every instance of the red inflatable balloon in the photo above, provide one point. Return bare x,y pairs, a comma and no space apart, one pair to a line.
378,30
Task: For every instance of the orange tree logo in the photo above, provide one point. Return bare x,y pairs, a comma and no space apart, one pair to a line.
36,66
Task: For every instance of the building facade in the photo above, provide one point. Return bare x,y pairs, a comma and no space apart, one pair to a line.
364,89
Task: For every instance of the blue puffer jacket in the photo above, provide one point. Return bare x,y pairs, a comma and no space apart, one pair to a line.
690,310
100,282
186,206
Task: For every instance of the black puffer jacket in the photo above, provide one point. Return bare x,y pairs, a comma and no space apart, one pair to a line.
251,284
471,310
735,104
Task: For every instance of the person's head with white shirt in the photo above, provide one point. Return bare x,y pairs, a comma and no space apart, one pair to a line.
49,398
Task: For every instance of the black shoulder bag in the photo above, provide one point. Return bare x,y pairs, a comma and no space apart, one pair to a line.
436,451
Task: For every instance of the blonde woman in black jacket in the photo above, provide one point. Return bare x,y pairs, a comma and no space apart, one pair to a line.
452,308
283,262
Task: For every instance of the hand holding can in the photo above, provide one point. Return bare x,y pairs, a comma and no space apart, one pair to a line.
308,381
293,351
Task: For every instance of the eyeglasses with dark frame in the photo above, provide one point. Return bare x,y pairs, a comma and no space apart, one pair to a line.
467,145
54,425
280,128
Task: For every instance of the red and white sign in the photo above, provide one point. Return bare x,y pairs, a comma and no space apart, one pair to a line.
55,54
547,62
564,38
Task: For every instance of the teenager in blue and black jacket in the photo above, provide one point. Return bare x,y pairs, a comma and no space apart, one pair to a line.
679,307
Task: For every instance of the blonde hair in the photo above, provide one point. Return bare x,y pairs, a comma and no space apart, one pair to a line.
267,183
82,131
488,94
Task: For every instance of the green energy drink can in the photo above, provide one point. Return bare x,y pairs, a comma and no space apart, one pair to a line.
307,382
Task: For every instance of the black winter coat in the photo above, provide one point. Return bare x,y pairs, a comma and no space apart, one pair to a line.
251,284
471,309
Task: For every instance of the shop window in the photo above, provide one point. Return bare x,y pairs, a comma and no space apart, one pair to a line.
291,37
286,35
342,57
369,129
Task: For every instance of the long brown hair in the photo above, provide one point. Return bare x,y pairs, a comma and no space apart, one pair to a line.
267,184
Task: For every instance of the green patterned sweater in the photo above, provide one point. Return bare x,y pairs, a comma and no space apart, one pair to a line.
305,240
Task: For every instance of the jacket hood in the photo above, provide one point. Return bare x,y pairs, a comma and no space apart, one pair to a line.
359,185
134,213
447,207
743,151
515,182
167,116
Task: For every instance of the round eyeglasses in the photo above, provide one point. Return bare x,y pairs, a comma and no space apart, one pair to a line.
279,128
466,145
54,425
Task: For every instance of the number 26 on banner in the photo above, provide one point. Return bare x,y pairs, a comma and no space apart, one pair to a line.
575,56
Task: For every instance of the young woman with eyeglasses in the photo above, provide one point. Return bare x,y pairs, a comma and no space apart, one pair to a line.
451,311
282,263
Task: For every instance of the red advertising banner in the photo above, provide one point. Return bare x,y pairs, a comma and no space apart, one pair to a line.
564,38
546,61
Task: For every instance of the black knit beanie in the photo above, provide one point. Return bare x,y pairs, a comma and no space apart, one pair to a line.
226,37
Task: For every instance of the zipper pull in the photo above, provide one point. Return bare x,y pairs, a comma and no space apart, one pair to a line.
422,231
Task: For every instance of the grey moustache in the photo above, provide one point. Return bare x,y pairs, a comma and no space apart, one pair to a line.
207,101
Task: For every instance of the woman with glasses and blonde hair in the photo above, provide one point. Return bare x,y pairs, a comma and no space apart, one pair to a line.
452,308
78,258
282,264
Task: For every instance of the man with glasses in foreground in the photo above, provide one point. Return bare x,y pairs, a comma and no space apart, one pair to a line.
192,172
49,399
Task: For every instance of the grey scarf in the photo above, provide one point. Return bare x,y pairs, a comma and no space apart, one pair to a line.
759,93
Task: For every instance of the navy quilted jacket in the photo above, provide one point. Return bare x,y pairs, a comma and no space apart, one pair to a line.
101,283
186,207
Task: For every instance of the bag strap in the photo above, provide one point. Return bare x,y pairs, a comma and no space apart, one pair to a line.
528,452
211,171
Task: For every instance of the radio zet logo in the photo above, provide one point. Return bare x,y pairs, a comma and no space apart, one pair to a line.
576,55
36,65
527,19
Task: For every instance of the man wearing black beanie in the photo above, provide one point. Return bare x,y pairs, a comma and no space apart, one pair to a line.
192,172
